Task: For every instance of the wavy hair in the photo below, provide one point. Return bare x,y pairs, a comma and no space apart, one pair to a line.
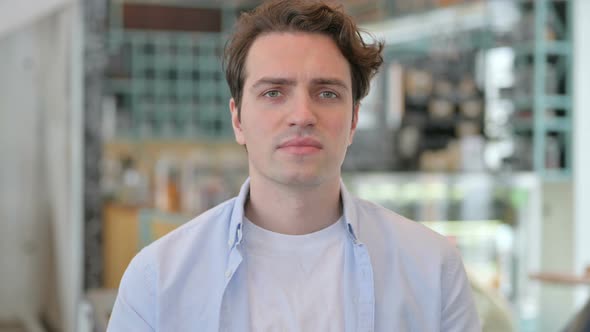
302,16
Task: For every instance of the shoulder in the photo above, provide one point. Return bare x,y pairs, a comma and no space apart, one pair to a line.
193,245
384,228
185,261
215,220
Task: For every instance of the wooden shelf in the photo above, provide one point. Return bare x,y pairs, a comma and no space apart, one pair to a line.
561,278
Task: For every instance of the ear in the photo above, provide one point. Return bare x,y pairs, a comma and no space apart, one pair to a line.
355,120
235,122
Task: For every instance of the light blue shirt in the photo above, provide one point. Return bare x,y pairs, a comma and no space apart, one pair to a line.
399,276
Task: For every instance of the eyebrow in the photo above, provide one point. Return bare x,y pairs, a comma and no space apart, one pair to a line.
273,81
329,81
292,82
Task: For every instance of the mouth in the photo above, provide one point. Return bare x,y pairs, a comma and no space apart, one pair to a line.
301,146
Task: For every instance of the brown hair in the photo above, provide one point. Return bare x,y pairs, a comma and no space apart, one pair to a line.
302,16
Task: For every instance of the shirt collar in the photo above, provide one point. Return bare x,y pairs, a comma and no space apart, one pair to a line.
237,216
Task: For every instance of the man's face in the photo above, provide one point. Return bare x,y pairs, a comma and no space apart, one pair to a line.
297,109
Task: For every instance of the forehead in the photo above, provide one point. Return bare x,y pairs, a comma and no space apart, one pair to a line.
300,56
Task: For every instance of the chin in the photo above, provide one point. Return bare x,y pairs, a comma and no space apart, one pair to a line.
303,179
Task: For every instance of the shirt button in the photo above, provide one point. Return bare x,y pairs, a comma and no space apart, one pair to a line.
230,243
228,273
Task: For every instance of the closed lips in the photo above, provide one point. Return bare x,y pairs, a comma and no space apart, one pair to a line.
301,142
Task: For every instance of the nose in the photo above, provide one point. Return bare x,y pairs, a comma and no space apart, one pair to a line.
303,112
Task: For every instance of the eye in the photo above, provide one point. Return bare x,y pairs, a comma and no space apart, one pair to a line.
328,95
272,94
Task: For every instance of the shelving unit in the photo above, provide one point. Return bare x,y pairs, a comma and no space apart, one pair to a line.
378,10
172,86
543,113
169,84
441,44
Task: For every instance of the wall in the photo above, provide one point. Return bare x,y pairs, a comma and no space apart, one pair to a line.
581,104
41,171
566,226
24,226
556,255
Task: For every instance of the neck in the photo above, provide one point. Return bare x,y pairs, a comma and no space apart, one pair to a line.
293,210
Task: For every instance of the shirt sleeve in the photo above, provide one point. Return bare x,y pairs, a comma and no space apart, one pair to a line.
135,306
459,313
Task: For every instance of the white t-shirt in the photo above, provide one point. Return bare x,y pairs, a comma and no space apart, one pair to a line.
295,281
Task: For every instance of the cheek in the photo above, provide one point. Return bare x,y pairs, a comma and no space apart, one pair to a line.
339,127
257,130
344,128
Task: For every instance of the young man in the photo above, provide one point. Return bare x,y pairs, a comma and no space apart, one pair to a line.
294,251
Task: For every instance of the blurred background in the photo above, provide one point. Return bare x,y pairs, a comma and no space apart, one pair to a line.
115,129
